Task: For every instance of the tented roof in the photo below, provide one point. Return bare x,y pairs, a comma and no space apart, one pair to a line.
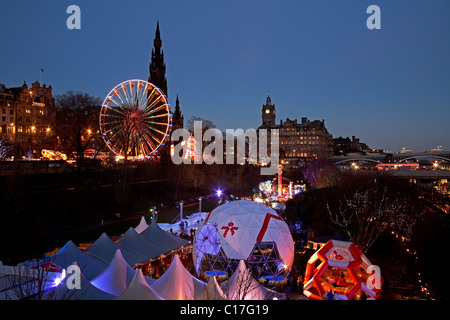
139,289
136,249
141,226
177,283
212,291
116,277
242,286
86,292
164,238
103,248
89,265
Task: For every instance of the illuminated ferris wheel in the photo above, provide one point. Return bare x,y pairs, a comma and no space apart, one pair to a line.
135,119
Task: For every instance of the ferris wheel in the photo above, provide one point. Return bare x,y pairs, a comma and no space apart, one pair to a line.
135,119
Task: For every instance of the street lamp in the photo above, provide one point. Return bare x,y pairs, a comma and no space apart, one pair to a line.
181,210
200,204
435,165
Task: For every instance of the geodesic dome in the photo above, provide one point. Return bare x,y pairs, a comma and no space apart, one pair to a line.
243,230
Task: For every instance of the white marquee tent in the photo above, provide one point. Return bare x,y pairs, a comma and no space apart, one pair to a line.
139,289
87,291
116,277
141,226
89,265
103,248
164,238
212,291
177,283
136,249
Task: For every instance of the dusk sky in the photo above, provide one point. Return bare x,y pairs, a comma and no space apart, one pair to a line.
388,87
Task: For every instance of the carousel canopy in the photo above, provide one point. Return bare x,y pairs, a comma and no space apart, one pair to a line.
177,283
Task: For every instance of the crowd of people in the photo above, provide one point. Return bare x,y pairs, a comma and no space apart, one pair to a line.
156,268
186,230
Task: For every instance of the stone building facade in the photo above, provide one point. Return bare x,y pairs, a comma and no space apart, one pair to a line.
299,141
27,117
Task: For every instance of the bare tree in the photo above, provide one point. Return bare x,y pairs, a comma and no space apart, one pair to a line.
76,122
206,124
370,212
29,153
245,287
4,149
322,173
30,282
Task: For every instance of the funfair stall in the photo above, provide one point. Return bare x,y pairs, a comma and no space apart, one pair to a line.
340,271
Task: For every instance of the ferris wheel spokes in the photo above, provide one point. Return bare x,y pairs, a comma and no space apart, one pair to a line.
135,119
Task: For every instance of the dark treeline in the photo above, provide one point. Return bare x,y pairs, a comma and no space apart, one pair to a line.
35,206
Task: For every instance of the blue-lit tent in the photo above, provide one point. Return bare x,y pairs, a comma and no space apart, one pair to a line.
89,265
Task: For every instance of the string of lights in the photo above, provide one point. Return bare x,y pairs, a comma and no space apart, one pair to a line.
424,287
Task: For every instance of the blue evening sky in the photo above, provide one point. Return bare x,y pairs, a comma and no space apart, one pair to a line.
389,87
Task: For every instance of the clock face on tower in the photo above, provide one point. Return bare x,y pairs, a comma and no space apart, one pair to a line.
267,111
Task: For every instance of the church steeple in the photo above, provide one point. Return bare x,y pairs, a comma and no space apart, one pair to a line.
178,118
157,41
157,66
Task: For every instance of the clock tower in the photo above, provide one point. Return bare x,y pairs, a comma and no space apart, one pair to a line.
268,113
